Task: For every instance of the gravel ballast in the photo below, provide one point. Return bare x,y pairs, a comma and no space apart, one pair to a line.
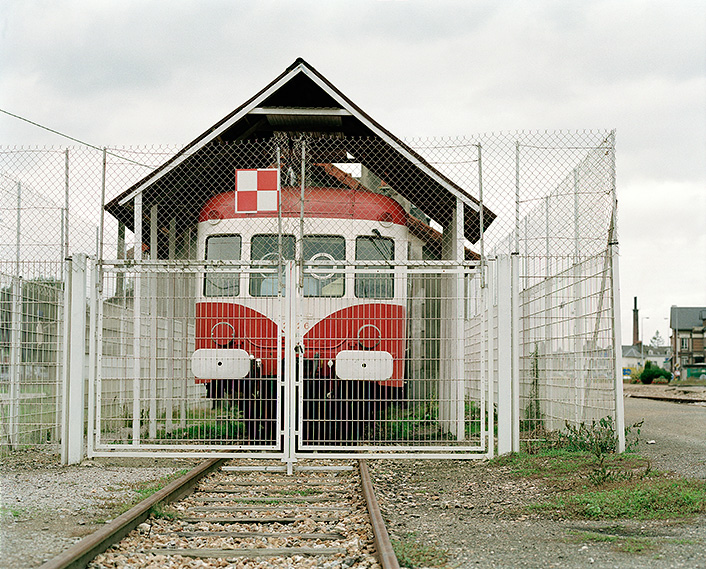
46,507
467,508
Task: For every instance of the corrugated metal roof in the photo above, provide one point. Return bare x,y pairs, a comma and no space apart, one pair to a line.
301,99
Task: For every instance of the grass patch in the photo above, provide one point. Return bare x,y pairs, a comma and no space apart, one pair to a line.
636,545
410,553
567,470
217,430
588,480
632,491
408,422
8,511
624,544
643,500
146,489
143,490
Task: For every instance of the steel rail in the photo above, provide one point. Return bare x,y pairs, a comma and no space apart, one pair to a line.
80,555
386,554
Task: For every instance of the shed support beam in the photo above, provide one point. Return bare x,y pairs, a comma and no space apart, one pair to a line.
452,370
137,325
154,339
504,283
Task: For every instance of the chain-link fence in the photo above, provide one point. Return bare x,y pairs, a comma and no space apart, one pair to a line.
554,195
344,263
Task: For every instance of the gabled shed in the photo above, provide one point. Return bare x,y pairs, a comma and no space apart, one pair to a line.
299,101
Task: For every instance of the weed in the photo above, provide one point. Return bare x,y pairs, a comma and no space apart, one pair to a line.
207,430
623,544
637,545
659,499
414,421
598,438
593,536
163,512
533,413
143,490
9,511
410,553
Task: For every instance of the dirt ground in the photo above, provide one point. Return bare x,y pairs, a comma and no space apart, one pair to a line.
470,509
467,508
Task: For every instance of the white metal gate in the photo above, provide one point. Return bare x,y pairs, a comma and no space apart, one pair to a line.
388,377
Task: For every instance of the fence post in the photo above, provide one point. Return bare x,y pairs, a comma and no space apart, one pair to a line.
516,349
75,334
15,358
489,309
615,303
505,419
460,371
16,329
153,286
137,325
94,345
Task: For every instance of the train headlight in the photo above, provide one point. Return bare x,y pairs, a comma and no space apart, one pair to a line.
369,336
222,333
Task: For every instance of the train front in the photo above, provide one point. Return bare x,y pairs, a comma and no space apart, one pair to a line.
349,319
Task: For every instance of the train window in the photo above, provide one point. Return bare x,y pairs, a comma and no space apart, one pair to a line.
265,247
380,285
324,280
222,248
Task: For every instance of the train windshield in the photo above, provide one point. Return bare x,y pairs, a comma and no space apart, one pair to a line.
265,247
322,277
222,248
379,284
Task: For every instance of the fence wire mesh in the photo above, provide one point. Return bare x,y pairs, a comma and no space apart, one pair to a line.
394,321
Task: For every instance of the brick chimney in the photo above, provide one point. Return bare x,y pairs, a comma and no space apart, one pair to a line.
635,325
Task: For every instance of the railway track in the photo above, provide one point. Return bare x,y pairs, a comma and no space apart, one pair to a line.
324,515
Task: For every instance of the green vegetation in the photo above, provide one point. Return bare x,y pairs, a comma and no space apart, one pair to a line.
533,413
410,553
9,511
590,480
143,490
653,374
408,422
644,499
621,543
420,422
207,430
163,512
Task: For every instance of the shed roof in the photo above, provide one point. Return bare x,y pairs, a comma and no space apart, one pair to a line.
303,100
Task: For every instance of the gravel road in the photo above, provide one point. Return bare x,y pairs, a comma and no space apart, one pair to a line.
676,431
467,508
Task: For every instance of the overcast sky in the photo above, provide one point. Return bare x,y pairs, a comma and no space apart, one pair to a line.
142,72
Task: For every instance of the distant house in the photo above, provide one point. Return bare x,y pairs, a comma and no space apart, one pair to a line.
635,356
687,342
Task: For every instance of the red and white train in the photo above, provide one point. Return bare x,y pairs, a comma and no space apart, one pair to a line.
352,323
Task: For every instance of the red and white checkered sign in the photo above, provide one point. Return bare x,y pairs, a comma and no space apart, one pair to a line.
256,191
